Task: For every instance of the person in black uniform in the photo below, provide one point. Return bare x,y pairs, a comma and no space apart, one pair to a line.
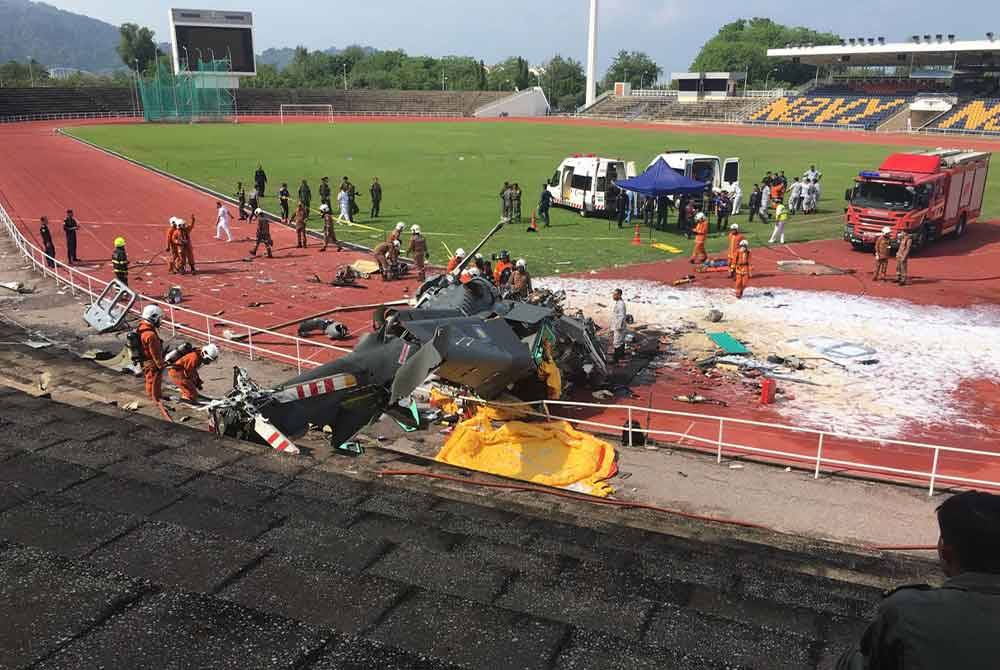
663,207
621,206
283,199
305,196
324,191
376,193
71,226
544,204
119,261
647,211
260,180
47,245
241,197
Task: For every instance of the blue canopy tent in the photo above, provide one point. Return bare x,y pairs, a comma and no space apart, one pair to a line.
660,179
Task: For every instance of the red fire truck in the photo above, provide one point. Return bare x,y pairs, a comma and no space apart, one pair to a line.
928,193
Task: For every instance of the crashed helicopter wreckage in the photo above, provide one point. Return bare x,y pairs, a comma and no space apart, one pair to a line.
466,336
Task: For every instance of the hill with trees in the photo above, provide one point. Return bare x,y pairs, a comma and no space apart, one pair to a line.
55,37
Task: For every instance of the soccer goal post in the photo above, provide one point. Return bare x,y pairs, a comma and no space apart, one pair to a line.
315,111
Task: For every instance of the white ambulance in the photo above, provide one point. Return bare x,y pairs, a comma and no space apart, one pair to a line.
721,175
585,183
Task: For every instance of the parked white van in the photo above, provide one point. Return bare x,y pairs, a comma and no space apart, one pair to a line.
720,175
585,183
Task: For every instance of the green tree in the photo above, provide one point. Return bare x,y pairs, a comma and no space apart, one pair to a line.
136,44
505,75
14,74
564,83
742,46
634,67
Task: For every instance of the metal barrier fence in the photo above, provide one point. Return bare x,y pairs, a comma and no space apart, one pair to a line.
760,432
21,118
806,124
68,116
179,320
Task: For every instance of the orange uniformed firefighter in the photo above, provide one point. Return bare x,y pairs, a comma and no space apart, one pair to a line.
735,237
173,245
396,233
418,251
883,248
698,255
186,245
152,351
503,269
742,267
184,371
456,259
380,252
520,281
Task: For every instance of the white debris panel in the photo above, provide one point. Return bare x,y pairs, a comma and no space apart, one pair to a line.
921,353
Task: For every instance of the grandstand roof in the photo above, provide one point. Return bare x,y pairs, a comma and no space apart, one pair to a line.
922,51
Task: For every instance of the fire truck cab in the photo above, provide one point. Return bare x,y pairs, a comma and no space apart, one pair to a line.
929,194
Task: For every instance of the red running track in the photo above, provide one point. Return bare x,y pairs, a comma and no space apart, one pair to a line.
45,173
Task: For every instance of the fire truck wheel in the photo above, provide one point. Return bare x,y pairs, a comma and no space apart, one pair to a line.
960,228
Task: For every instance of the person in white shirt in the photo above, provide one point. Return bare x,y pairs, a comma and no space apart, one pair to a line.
737,198
619,317
794,196
344,198
809,198
765,203
222,223
811,173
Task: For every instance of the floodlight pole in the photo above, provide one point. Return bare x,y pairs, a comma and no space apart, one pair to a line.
592,55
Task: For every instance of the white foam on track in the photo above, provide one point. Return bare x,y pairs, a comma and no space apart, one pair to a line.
923,352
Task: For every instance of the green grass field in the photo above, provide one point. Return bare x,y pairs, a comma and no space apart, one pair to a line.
446,176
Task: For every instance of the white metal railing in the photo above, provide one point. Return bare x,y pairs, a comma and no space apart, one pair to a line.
253,341
770,93
805,124
21,118
957,131
718,443
66,116
654,93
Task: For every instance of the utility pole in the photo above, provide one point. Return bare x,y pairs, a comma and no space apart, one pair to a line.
592,55
345,76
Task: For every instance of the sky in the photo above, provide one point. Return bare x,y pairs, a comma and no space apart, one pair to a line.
670,31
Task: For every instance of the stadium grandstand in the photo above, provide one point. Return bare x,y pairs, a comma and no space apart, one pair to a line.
931,83
49,101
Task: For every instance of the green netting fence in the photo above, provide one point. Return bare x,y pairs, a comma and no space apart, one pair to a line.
192,95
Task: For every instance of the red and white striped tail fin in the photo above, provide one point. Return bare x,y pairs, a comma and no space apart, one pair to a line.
273,436
316,387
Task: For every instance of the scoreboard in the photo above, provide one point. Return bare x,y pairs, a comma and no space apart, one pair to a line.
206,35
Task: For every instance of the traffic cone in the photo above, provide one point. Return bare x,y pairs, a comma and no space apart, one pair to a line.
533,226
636,240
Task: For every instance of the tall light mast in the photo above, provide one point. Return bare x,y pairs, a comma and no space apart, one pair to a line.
592,55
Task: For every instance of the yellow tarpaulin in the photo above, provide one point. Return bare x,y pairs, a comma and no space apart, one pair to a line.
551,453
666,247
